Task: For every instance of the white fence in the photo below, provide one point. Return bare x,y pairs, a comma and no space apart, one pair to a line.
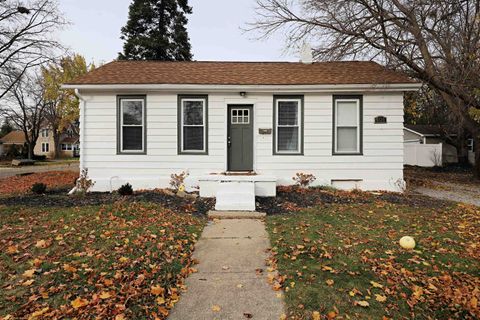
423,155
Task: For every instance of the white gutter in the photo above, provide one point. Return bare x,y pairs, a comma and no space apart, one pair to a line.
249,88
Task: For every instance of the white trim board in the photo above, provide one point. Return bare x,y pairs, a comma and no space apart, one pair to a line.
251,88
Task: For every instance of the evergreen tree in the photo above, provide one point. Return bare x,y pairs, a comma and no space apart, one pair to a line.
156,30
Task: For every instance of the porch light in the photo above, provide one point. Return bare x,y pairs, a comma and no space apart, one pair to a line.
243,94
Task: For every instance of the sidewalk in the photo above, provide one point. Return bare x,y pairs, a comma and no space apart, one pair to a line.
227,284
6,172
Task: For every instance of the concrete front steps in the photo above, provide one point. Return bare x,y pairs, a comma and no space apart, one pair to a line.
235,196
235,192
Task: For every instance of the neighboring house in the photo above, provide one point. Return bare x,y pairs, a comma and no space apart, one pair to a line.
427,146
69,143
261,121
13,138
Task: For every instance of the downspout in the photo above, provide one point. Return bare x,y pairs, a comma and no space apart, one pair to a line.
83,102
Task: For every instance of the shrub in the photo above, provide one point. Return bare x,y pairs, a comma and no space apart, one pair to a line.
178,180
84,184
125,190
39,188
39,157
303,179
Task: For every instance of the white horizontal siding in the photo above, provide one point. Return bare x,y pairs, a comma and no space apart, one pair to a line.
380,166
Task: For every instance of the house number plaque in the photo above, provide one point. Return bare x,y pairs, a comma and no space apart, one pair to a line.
265,131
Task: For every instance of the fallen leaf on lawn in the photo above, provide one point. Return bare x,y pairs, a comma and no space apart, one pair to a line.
380,298
41,244
376,284
105,295
79,303
316,315
331,315
12,249
27,283
160,300
163,311
474,303
362,303
216,308
29,273
283,316
157,290
38,313
330,282
123,259
417,292
120,316
69,268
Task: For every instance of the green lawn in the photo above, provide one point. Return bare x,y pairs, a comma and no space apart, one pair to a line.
344,261
125,260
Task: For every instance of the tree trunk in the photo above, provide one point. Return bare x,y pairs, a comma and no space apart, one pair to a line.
476,146
31,146
56,143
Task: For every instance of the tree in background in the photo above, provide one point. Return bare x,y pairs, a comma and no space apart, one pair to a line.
25,108
156,30
6,128
436,41
62,106
27,40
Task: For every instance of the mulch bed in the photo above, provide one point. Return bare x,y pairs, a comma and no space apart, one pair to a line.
23,182
59,198
292,198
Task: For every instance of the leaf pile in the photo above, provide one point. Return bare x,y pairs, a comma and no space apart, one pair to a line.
23,183
344,261
121,261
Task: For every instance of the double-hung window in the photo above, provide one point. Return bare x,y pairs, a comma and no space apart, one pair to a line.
44,133
131,125
347,125
192,124
470,145
45,147
288,125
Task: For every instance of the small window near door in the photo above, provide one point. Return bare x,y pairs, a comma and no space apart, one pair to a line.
193,124
288,125
240,116
45,147
131,125
347,125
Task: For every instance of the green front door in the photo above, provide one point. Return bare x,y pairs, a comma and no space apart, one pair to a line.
240,138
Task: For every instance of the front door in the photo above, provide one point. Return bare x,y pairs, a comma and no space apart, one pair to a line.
240,138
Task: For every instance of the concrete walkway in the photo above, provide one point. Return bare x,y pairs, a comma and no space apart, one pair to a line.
227,284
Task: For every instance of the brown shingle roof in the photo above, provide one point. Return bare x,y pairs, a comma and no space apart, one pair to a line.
242,73
14,137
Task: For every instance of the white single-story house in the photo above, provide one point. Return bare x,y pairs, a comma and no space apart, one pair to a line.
427,146
254,122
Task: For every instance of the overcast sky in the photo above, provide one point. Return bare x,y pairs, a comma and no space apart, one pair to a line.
214,29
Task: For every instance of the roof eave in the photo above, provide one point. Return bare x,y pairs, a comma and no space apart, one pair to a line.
412,86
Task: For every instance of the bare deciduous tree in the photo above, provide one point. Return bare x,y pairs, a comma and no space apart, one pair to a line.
27,30
435,41
25,107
